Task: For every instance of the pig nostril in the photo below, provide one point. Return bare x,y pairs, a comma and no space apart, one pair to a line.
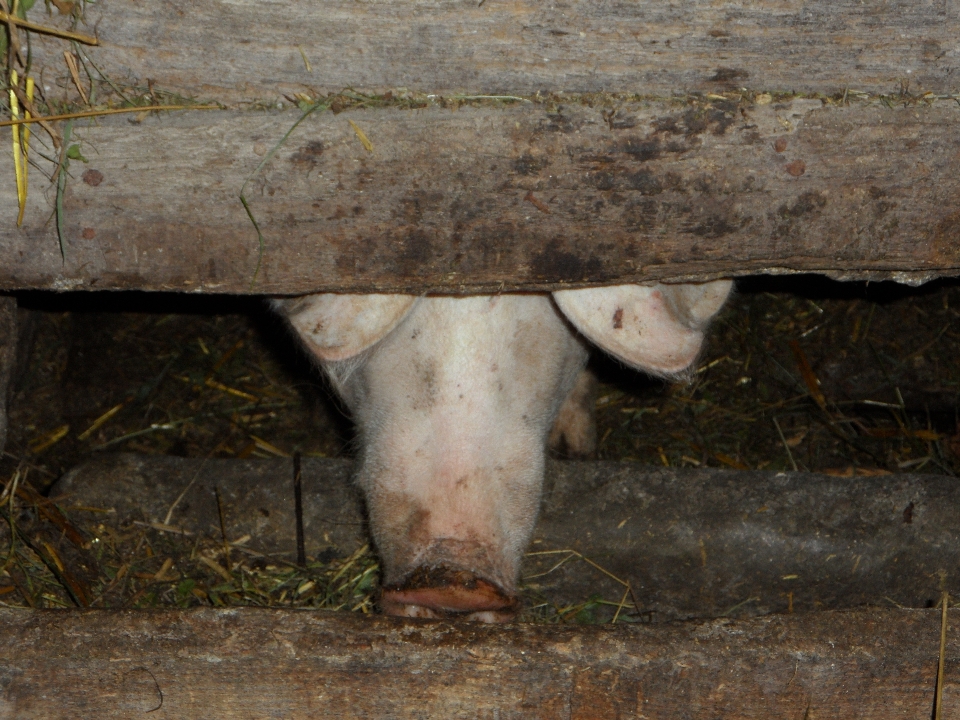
444,593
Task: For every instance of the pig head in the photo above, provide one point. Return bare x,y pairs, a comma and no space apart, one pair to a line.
454,399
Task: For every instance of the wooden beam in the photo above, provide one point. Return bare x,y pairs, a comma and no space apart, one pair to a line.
690,542
245,50
576,189
255,663
484,198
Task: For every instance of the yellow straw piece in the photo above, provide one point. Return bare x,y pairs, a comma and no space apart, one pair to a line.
362,136
26,150
12,19
306,63
17,156
48,440
100,421
112,111
75,74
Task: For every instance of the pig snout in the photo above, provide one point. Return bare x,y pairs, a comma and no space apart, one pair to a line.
454,399
444,593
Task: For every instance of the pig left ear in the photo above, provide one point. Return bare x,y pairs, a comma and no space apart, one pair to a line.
656,328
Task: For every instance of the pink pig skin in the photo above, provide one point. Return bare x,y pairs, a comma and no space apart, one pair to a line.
454,400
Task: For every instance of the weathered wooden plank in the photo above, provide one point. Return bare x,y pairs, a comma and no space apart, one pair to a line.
690,542
276,663
243,50
488,198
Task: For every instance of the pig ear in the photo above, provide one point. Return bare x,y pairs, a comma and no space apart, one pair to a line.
337,327
657,328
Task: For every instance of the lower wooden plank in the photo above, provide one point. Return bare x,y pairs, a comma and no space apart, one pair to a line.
690,542
490,198
260,663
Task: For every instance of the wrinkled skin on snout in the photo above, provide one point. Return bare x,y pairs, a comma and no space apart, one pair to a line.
454,399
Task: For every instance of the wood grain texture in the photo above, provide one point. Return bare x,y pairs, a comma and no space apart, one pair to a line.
490,198
299,664
233,50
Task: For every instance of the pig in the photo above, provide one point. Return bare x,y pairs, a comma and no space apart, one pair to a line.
455,398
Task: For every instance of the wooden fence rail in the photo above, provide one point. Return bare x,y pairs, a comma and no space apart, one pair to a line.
256,663
483,199
655,142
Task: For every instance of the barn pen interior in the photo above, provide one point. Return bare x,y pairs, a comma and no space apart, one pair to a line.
775,534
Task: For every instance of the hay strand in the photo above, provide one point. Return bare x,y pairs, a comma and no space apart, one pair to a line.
107,111
46,30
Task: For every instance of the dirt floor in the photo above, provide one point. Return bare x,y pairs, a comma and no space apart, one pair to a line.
799,373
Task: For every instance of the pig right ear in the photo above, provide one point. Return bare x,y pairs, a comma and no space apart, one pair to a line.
337,327
656,328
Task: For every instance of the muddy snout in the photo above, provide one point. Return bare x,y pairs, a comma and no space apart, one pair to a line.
447,563
443,592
